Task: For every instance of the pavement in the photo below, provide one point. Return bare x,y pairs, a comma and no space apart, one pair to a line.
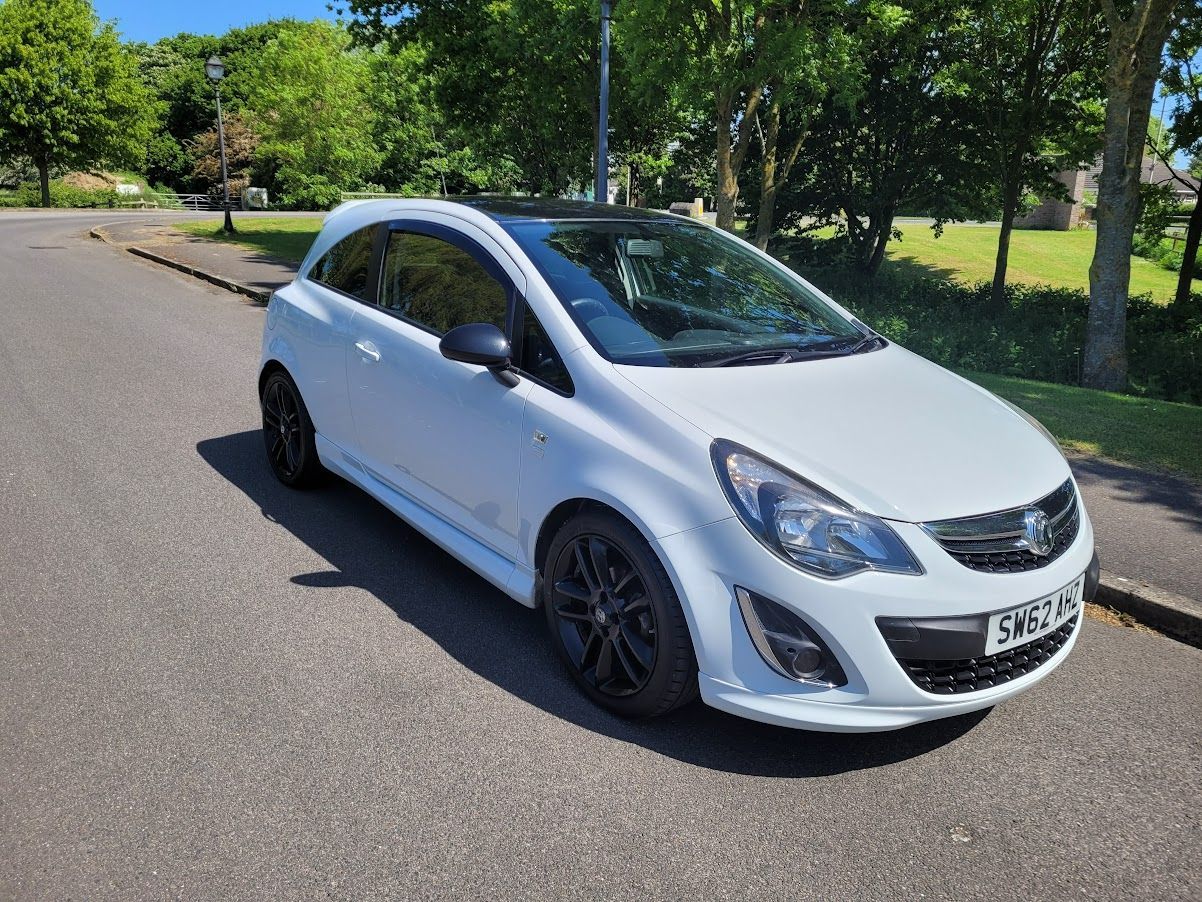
212,687
245,267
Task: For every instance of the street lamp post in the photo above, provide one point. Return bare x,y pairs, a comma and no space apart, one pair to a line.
600,185
215,70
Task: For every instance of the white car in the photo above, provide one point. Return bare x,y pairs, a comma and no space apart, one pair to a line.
712,477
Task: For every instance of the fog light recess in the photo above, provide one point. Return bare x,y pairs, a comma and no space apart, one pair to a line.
788,644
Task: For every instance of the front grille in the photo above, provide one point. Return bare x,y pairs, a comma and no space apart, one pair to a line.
973,674
1018,561
998,543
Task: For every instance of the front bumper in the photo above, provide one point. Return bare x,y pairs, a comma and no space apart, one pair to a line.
707,564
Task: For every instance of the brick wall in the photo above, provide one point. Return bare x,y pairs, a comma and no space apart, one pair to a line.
1058,215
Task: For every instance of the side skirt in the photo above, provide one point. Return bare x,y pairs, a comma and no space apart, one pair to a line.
515,580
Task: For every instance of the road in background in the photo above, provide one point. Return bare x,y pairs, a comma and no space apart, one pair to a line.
212,687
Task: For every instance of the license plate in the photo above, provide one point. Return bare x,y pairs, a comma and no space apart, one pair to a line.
1034,619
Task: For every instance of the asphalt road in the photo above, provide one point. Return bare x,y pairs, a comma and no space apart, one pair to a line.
213,688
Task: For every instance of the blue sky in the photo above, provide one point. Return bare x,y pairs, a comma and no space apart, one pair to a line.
149,20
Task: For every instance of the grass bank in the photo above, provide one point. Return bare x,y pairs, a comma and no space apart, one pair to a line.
1159,435
966,253
284,237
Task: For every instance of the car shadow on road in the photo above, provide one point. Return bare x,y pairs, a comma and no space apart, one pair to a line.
370,548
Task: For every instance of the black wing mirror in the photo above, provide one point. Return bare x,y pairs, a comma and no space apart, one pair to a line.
482,344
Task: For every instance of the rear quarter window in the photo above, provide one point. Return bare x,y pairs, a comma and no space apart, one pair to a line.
345,266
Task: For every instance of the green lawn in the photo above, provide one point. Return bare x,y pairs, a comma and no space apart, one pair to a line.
1157,434
285,237
967,252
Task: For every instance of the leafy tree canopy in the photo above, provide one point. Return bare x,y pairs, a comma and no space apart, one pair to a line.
70,95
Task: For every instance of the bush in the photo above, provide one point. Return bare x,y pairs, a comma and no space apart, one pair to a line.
1039,336
29,194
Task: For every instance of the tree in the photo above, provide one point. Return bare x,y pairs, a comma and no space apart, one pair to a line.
518,78
241,144
1030,78
1183,81
184,105
904,139
1138,30
70,95
813,61
307,96
717,63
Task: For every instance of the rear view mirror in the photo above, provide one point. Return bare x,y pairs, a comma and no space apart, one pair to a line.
482,344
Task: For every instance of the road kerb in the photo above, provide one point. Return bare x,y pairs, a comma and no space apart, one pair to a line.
1172,614
257,294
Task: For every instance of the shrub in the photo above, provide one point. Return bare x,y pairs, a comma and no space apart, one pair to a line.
29,194
1039,336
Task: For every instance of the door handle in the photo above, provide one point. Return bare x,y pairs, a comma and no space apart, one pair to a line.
367,350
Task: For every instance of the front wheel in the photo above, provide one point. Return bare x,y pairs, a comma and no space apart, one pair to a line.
615,619
288,433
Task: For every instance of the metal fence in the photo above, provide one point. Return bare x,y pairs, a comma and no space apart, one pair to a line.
171,201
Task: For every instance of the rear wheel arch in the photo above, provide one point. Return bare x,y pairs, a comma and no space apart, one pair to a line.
270,368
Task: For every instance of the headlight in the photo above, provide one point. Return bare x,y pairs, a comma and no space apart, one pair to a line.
801,523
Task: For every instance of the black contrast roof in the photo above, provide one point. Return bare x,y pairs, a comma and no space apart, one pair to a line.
504,209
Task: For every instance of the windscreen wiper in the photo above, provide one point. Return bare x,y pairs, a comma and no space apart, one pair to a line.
866,343
766,356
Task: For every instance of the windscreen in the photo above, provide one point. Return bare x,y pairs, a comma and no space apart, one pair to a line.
678,294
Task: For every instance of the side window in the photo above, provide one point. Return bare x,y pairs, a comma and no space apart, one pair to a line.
345,266
539,358
438,285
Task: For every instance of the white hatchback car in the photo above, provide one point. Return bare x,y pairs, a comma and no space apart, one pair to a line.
711,476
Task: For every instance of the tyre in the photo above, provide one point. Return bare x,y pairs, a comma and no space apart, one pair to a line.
615,619
288,433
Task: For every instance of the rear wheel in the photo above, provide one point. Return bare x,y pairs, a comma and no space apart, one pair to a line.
288,433
615,619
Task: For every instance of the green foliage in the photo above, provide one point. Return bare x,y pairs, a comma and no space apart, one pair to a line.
1039,334
307,97
517,77
1157,207
69,91
29,194
904,142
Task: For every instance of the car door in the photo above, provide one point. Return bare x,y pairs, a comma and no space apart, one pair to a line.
311,333
445,433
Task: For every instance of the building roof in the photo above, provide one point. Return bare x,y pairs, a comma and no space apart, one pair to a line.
1152,171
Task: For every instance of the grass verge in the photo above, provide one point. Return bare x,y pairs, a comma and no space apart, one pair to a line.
285,237
1159,435
966,253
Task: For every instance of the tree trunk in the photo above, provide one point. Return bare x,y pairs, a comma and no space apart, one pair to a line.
44,181
997,294
768,186
1133,63
884,231
728,180
1193,236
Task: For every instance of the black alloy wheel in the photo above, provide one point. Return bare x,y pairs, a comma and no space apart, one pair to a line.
615,618
288,433
605,617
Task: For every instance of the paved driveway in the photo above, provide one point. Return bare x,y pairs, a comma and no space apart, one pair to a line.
211,687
